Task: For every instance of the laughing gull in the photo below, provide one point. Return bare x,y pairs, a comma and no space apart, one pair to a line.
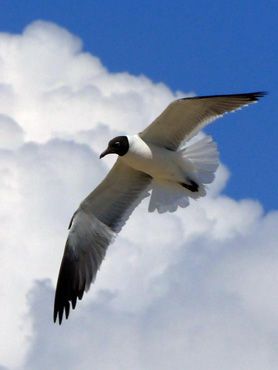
158,162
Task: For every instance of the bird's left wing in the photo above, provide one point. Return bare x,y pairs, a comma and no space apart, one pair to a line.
183,118
93,227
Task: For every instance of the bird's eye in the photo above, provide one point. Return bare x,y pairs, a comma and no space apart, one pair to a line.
117,143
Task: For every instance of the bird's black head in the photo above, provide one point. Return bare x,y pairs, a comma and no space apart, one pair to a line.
119,145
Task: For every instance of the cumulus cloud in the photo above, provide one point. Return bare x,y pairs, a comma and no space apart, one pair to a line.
11,134
214,311
54,87
195,289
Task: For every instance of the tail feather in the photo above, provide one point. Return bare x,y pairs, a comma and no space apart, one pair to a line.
205,158
199,161
167,196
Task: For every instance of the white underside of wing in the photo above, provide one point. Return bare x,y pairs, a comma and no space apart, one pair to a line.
115,198
102,215
88,240
94,226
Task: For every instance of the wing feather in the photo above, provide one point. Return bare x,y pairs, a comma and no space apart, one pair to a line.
92,228
183,118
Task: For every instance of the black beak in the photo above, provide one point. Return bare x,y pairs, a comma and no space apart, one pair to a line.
107,151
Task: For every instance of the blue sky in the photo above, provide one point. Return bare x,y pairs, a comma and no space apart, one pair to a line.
208,48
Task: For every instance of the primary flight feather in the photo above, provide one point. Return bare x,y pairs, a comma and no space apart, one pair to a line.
155,161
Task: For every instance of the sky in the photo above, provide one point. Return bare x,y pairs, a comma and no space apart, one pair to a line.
198,289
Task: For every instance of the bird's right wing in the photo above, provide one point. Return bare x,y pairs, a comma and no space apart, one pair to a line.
93,226
183,118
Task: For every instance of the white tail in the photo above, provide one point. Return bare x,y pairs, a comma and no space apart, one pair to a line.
204,156
199,161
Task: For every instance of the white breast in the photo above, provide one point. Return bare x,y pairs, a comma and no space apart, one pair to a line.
156,161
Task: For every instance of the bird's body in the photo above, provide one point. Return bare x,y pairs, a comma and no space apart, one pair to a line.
159,162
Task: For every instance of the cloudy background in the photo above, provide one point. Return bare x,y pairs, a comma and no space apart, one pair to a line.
197,289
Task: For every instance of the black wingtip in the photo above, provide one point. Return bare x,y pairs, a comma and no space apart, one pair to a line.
257,95
67,289
54,316
250,96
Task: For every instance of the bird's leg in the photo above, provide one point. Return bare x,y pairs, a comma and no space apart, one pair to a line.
192,186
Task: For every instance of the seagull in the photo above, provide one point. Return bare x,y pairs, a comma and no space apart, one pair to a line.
160,162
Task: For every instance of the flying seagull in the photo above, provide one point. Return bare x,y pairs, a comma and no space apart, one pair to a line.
158,162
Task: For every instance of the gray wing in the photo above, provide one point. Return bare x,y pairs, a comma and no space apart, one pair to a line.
183,118
93,227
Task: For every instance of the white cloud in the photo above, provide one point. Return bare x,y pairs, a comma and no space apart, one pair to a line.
53,87
195,289
11,134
